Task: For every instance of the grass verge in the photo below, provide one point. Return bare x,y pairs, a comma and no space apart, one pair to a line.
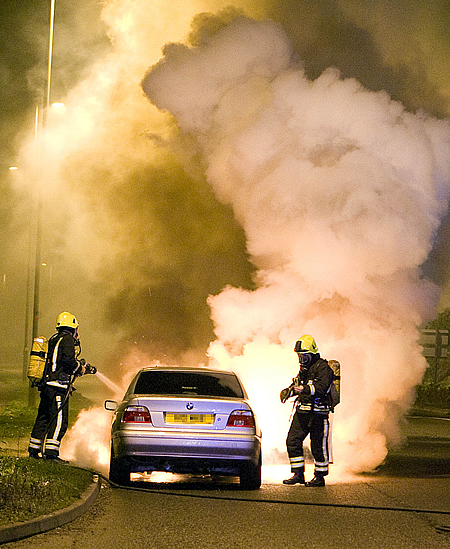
33,487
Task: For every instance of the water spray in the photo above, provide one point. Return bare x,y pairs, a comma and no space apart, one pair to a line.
86,368
110,384
89,369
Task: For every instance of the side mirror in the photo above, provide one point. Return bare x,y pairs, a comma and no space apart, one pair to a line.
111,405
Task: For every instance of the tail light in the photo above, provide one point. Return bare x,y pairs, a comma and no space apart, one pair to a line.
136,414
241,418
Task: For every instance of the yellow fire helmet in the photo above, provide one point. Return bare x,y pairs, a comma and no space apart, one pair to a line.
66,319
306,344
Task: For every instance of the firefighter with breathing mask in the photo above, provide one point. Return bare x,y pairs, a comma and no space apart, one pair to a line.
61,368
311,388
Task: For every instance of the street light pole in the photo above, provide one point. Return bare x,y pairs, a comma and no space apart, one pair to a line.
50,52
26,348
37,267
37,264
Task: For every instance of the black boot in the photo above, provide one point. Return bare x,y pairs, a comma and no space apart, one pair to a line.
54,459
298,478
316,482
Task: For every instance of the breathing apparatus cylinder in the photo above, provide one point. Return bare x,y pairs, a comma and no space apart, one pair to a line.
335,388
336,367
38,358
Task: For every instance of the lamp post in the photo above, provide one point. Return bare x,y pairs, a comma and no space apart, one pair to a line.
37,263
26,348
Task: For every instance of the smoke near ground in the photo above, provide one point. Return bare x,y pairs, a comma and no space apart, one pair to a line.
340,191
135,239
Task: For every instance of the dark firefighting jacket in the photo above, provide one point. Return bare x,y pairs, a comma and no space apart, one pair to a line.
316,380
61,359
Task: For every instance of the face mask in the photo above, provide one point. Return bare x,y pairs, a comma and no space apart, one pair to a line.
304,358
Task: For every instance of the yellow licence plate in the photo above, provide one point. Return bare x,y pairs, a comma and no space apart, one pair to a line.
199,419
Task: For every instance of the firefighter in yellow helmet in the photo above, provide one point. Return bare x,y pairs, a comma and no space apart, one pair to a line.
62,366
311,388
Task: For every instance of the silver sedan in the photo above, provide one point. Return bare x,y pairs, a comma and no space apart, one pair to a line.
185,420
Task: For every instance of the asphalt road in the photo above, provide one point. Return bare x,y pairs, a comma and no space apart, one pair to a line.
371,513
405,505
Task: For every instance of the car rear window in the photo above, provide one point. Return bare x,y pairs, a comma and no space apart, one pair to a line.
188,383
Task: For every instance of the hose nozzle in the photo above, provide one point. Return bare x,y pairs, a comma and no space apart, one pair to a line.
88,369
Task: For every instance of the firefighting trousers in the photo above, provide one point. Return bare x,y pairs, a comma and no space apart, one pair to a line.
51,422
317,427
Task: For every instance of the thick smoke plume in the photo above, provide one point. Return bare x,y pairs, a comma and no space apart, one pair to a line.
340,191
134,239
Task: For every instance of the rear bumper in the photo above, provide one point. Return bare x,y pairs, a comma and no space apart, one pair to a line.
185,453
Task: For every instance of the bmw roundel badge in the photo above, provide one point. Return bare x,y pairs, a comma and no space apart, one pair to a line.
189,405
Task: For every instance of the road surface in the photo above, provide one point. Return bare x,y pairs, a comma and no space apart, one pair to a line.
405,505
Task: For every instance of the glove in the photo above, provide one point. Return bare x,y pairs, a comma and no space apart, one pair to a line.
284,394
79,371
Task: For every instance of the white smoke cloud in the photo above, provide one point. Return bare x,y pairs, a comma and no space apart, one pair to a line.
87,443
340,191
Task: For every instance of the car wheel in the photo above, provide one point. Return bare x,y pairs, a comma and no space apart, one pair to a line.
250,476
119,471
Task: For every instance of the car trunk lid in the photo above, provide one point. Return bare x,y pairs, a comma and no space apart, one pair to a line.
190,413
